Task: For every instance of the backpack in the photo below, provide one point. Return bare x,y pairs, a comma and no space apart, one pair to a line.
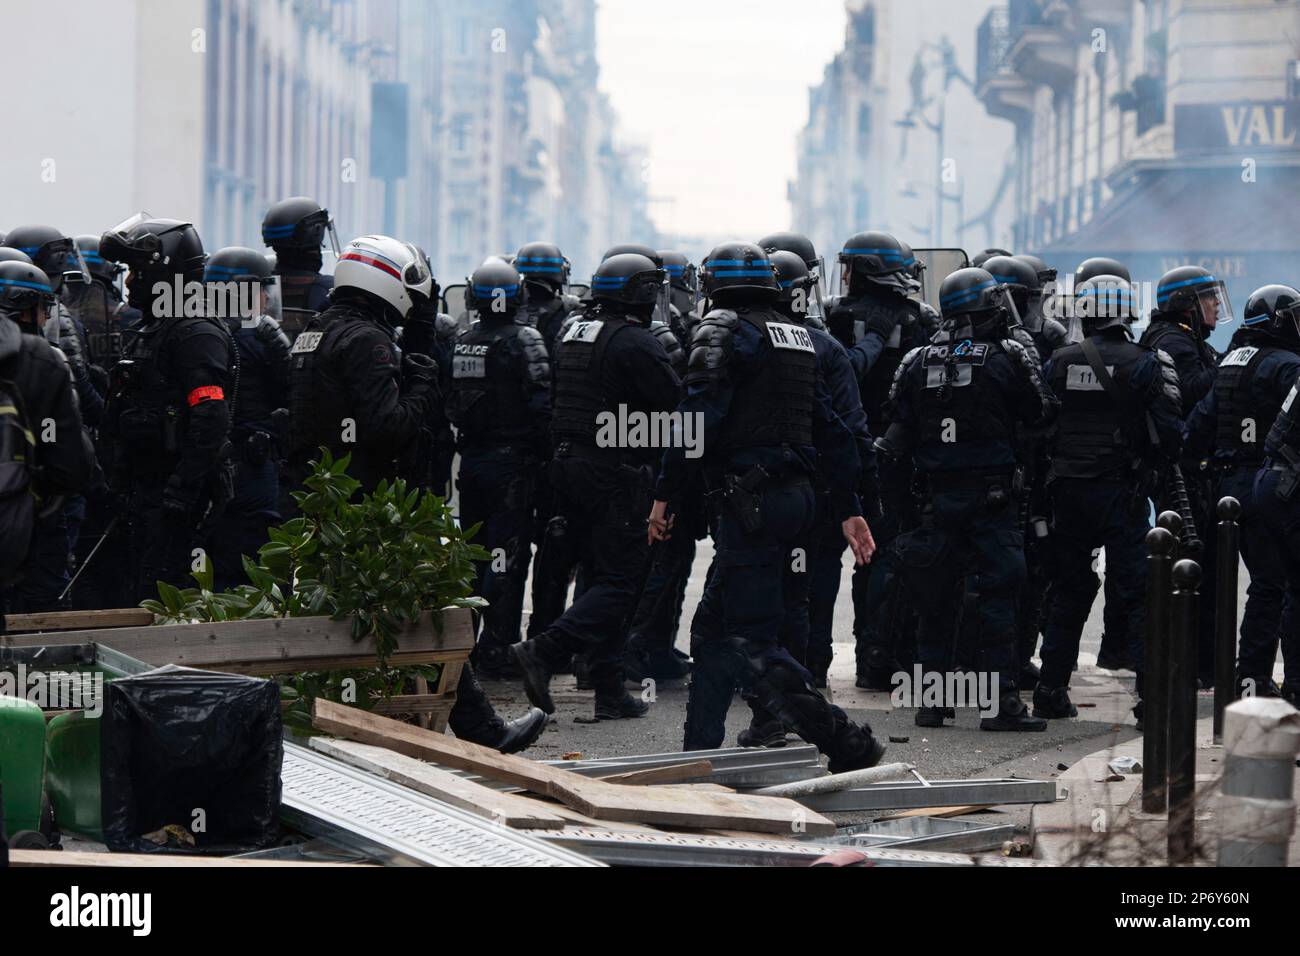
17,499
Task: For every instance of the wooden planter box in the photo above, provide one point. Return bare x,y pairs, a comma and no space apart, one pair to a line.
269,647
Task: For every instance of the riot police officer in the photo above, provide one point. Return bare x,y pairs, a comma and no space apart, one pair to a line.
878,322
652,634
351,389
825,556
545,273
499,400
610,372
1190,303
767,429
59,257
1117,429
297,228
1277,512
41,427
240,292
169,399
959,404
351,393
683,292
1229,426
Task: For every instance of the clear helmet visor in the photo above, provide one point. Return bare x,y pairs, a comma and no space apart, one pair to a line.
333,238
243,301
1214,305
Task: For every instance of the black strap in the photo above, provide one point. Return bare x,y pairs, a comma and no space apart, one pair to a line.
1104,377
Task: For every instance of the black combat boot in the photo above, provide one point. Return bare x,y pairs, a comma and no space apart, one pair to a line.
536,671
876,669
619,705
1013,715
522,732
1029,675
1053,703
853,748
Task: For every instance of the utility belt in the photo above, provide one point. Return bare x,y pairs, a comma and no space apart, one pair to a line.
615,457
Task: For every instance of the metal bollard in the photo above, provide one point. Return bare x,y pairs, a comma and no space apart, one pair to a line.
1161,544
1182,712
1172,522
1225,609
1257,810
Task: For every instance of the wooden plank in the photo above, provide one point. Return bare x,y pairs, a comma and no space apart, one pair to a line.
672,773
409,704
512,810
81,858
79,620
595,798
936,812
273,645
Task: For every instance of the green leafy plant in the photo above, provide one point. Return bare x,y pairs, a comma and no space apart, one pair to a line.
382,559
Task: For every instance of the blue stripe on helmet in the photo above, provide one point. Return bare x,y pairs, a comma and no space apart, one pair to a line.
674,270
957,298
539,259
751,273
279,230
539,270
1115,292
19,283
887,253
1163,292
508,290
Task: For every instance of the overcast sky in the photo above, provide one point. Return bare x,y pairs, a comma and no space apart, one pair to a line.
717,91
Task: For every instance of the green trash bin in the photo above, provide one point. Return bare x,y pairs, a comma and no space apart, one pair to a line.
22,773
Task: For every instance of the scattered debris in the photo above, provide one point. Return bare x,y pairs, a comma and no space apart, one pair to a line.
1125,765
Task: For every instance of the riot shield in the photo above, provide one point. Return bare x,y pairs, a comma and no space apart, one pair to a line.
937,265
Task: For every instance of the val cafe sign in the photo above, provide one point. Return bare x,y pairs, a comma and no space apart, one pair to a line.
1259,125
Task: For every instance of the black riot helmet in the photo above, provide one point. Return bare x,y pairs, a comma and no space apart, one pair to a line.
680,269
1100,266
630,280
23,287
543,263
10,254
1193,291
1105,301
795,242
99,267
1274,309
156,247
737,265
53,253
226,272
495,289
1042,273
299,222
1018,276
970,293
879,258
638,249
796,282
983,257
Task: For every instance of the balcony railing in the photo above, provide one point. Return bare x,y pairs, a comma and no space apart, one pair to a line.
993,44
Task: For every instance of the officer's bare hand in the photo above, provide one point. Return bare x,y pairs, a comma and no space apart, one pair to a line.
858,534
660,523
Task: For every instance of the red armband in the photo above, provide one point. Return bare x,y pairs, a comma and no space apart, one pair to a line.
207,393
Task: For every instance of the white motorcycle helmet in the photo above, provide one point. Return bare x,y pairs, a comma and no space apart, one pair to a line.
389,269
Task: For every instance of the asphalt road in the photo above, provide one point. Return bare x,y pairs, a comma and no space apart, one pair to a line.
949,753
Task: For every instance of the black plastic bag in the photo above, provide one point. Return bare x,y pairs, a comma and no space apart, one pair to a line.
199,750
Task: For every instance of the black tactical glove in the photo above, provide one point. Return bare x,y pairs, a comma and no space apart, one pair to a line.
419,370
883,322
